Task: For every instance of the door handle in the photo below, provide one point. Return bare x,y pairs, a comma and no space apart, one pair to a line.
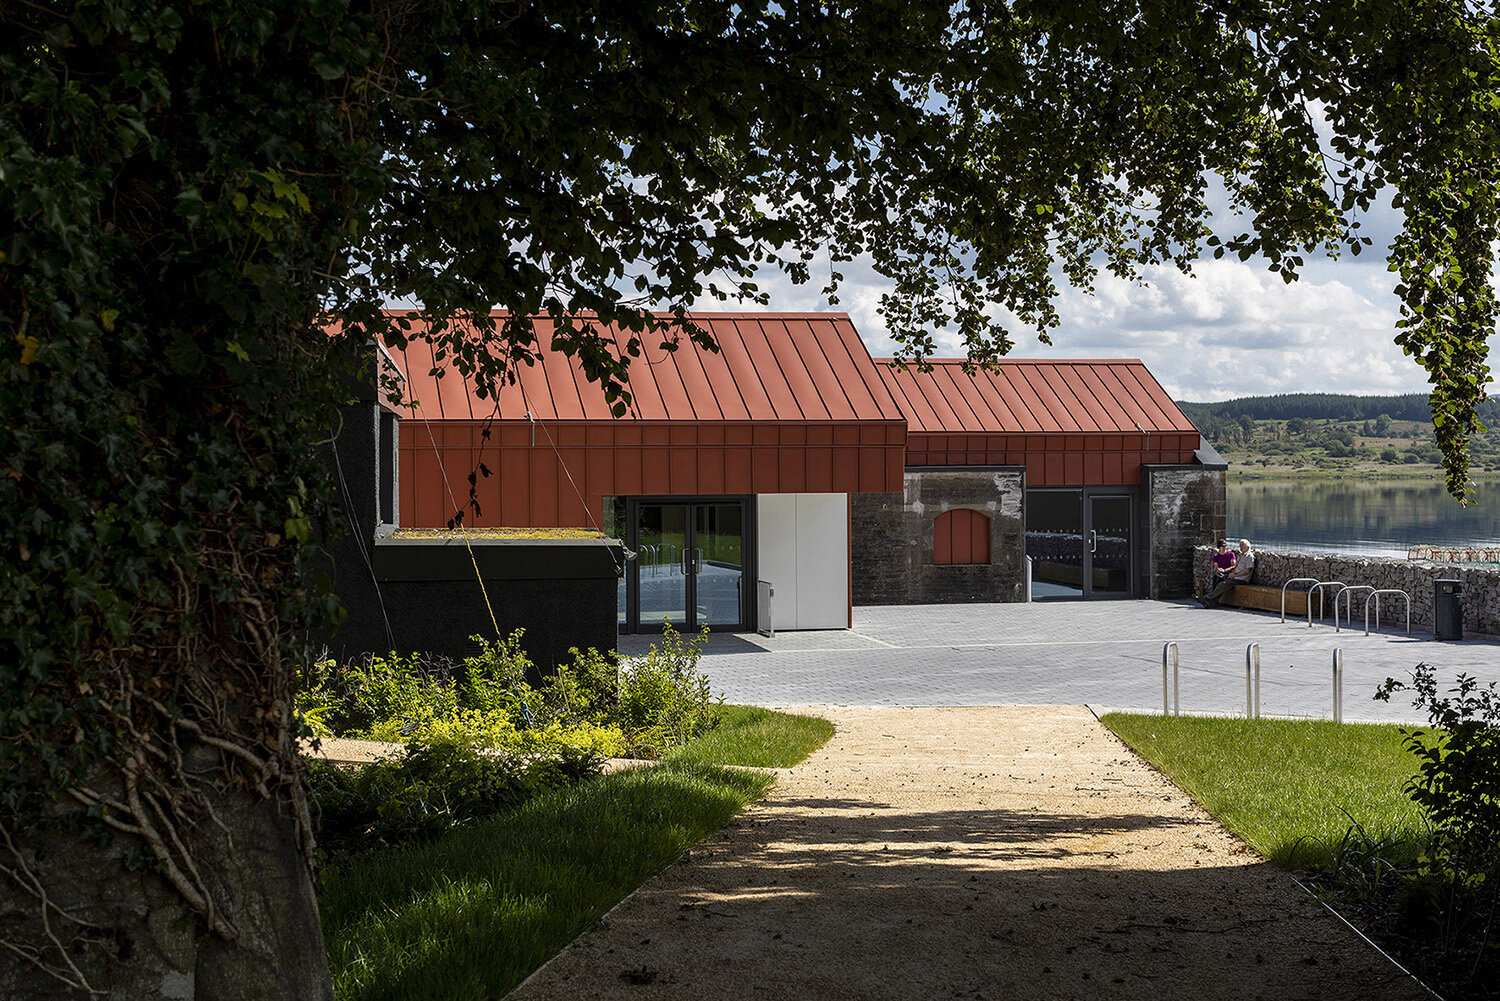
1093,541
697,561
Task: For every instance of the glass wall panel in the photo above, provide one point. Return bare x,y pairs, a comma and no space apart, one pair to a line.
615,528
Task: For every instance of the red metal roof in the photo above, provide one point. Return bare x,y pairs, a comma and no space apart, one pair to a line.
1077,396
783,367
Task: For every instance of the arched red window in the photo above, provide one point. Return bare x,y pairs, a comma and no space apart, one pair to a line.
961,536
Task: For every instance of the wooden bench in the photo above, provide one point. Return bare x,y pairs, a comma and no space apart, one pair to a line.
1268,599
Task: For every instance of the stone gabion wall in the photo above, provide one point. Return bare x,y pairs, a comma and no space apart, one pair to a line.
1481,584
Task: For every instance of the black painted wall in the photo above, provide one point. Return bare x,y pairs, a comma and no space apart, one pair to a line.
424,596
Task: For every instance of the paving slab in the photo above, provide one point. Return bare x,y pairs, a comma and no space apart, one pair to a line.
1102,653
973,852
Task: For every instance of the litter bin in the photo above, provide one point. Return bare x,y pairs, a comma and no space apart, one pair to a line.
1448,610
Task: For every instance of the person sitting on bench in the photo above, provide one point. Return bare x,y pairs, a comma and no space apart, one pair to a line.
1224,561
1243,568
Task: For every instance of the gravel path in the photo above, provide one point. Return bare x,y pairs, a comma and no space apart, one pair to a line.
978,852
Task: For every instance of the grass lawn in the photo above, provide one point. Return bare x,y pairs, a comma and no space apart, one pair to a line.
472,913
749,735
1290,788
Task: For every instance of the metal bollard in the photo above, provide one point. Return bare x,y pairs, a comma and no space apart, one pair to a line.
1176,705
1252,704
1338,685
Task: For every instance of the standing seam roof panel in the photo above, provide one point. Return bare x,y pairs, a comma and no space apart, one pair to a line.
936,399
1030,402
1125,401
990,391
876,391
562,387
1060,380
727,392
914,404
965,400
825,377
794,368
1152,393
768,372
1076,377
700,391
742,367
676,404
947,416
1052,404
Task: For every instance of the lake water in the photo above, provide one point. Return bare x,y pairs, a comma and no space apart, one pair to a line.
1360,517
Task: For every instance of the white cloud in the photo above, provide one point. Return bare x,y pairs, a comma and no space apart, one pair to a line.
1229,329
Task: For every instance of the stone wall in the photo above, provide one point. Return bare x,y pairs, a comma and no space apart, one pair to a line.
1186,507
892,544
1481,584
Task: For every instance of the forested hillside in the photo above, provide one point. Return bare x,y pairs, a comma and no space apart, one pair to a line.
1329,431
1328,406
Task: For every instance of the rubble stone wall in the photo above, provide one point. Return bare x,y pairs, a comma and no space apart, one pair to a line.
1481,583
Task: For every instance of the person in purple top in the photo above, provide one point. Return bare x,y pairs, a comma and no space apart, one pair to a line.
1239,573
1224,561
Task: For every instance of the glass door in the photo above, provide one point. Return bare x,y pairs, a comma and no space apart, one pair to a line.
1109,546
718,565
662,583
1079,543
1055,542
690,566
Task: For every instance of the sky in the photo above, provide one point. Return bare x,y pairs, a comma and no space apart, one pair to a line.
1230,329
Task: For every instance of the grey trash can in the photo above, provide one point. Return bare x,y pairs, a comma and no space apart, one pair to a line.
1448,610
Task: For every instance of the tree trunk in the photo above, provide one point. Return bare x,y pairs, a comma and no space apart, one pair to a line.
129,934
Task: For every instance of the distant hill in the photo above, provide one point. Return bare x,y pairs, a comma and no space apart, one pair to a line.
1315,406
1328,406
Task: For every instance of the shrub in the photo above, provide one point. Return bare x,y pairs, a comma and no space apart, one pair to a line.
664,699
1453,895
429,788
494,680
591,705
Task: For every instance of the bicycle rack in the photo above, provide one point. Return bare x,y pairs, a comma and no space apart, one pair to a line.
1252,706
1375,595
1297,580
644,548
1176,705
1348,602
1338,685
1319,588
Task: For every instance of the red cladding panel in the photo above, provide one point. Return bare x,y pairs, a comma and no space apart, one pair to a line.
711,471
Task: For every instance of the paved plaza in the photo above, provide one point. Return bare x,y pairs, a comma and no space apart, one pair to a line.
1105,654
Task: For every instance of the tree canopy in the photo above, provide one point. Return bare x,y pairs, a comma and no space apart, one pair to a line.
191,192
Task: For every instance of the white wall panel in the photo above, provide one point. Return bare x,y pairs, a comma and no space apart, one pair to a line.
803,547
822,561
776,548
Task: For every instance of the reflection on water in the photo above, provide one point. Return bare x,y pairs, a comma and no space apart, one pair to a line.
1360,517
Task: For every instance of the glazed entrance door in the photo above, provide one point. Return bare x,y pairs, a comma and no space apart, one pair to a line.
661,577
1055,542
1079,543
689,569
1109,547
718,565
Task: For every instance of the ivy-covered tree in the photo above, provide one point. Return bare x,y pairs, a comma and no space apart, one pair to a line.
191,193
